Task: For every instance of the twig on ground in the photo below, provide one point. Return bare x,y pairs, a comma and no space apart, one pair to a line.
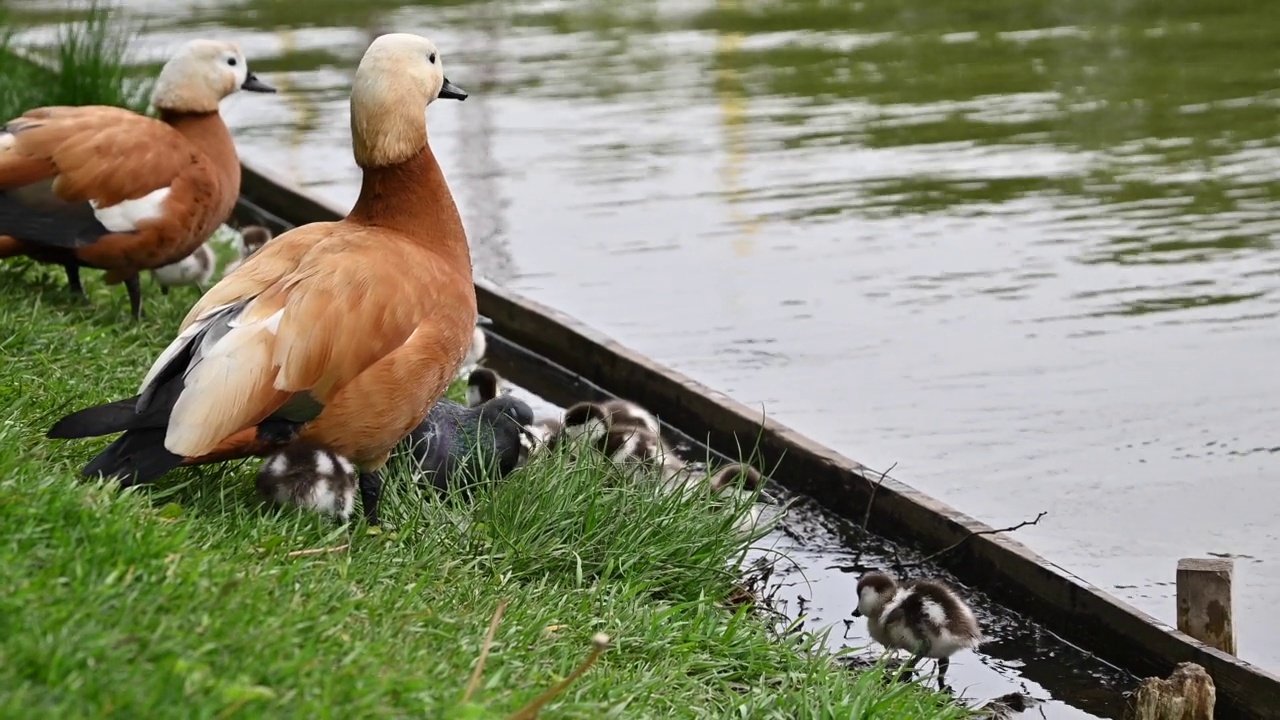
474,683
600,642
993,531
318,551
866,517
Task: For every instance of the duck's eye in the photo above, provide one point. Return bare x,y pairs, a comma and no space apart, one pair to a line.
231,62
431,58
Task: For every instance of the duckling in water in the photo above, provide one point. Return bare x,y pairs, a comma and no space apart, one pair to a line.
310,477
194,269
455,442
924,617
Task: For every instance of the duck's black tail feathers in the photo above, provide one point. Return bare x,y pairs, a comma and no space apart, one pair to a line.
136,457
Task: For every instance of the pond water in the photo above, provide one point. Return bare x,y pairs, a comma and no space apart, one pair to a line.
1025,250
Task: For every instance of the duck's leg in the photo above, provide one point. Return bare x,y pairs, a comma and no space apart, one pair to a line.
943,664
370,495
73,281
134,288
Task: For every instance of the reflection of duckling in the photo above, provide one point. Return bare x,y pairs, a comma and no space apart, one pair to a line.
194,269
310,477
483,385
923,617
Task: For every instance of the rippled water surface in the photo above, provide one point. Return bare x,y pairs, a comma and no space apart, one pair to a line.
1026,250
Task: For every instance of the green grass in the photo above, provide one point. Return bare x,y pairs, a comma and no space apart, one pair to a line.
88,66
182,599
188,598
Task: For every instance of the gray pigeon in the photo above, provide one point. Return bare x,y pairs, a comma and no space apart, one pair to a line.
461,444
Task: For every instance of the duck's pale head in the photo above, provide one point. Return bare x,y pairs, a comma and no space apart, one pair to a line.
875,590
200,74
399,75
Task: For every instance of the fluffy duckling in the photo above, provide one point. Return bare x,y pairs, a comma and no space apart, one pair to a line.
108,188
194,269
924,617
460,444
625,432
738,478
313,336
483,385
475,353
252,238
311,478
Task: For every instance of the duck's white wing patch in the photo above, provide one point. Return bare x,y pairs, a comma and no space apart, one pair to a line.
184,338
126,216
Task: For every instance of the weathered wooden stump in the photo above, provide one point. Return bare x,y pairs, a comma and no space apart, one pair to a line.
1204,602
1188,694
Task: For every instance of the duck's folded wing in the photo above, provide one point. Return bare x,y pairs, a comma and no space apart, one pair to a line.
71,175
308,334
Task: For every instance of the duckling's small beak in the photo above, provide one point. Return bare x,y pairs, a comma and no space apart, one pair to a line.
483,320
253,84
449,91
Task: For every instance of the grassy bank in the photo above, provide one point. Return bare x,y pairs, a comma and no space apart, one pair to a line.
189,599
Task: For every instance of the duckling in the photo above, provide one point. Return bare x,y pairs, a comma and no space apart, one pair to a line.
737,478
194,269
475,352
483,385
923,617
456,441
310,477
625,432
252,238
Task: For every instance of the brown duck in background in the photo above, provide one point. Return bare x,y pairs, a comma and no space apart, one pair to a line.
339,334
108,188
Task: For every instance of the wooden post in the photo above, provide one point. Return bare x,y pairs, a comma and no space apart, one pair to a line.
1188,694
1204,602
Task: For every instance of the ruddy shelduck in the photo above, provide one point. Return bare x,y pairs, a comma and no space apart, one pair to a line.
104,187
341,335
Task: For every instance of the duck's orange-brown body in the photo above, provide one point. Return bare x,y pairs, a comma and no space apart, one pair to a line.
379,313
61,159
340,334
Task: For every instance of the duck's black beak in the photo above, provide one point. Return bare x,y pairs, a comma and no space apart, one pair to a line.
449,91
253,84
857,612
